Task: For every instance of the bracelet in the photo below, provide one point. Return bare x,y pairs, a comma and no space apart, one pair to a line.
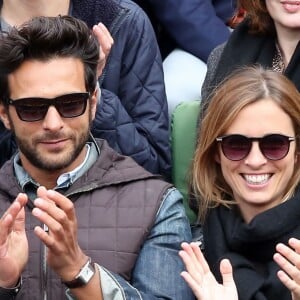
11,293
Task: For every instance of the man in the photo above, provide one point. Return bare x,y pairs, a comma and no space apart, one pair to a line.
78,219
133,115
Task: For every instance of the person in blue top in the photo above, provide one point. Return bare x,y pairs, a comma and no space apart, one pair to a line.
188,31
132,114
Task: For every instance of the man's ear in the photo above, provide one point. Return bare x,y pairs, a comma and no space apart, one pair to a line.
95,99
4,116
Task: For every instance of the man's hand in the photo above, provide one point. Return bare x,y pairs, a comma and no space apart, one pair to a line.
58,213
201,280
13,243
106,42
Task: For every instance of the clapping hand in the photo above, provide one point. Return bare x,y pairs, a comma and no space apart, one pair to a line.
288,259
13,243
201,280
57,212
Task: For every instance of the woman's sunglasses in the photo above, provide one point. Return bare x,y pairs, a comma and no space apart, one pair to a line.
35,109
272,146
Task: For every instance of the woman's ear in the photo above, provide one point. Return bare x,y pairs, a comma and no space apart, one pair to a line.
297,160
217,157
4,116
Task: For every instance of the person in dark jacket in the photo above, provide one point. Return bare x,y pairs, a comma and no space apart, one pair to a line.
133,114
269,36
78,220
187,32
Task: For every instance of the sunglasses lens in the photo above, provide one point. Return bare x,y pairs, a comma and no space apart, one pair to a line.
31,110
236,147
72,105
275,146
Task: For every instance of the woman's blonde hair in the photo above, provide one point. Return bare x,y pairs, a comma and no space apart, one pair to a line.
258,16
245,86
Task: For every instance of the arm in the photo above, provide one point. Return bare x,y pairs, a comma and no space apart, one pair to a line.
162,245
197,26
288,259
132,115
200,278
157,271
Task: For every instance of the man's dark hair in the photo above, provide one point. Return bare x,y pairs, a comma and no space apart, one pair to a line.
44,38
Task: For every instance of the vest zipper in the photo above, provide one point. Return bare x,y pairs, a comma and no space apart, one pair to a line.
44,268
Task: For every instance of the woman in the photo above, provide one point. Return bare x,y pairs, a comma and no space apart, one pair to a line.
268,36
246,175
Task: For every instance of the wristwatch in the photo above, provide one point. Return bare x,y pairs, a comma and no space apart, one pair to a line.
83,277
10,293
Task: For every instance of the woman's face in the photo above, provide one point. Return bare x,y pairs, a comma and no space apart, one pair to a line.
258,183
285,13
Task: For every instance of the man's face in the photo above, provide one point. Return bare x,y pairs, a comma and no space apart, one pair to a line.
54,143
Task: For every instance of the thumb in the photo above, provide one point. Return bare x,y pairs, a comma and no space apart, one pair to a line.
19,224
227,275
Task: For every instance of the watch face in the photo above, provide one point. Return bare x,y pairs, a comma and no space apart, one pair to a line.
86,273
84,276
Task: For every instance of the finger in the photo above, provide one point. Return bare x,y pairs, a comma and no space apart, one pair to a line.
192,266
62,228
288,260
289,283
192,258
42,193
195,271
46,238
295,244
287,267
60,202
200,257
226,272
193,284
9,217
104,38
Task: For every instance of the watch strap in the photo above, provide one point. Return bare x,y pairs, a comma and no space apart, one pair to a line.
11,293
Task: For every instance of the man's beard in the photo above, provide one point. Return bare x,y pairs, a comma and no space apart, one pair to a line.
39,161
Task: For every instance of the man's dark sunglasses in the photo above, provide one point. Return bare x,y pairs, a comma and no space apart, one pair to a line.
35,109
272,146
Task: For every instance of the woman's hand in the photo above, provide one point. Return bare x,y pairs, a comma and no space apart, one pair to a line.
288,259
201,280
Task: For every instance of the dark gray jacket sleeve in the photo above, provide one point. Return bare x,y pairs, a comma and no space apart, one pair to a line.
207,86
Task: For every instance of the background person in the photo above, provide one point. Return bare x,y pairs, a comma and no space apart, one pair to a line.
245,177
187,32
269,36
